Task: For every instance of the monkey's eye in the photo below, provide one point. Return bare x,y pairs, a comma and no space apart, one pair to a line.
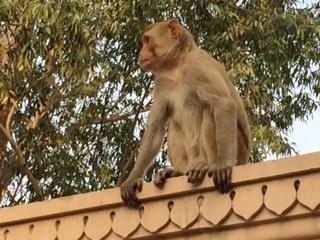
146,39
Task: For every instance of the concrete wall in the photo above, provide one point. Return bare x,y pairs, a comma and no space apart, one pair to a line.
271,200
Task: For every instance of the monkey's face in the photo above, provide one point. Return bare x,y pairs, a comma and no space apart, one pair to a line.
158,40
147,56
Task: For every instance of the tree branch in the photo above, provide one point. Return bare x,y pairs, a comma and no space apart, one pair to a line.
116,118
10,117
40,113
21,163
44,76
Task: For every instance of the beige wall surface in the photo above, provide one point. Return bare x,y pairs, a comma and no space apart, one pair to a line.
272,200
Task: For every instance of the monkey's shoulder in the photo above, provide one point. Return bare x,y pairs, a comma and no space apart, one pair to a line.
201,67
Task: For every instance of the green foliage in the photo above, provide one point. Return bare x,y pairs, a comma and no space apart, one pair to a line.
80,96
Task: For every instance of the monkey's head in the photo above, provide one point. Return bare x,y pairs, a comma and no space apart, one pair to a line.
162,43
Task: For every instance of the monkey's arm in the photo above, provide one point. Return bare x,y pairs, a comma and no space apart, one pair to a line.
152,138
150,146
217,97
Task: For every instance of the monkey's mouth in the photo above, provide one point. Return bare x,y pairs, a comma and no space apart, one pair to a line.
144,63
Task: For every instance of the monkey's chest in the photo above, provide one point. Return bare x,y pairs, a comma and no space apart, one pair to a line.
186,113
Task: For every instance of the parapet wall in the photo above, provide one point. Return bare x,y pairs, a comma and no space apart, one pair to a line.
271,200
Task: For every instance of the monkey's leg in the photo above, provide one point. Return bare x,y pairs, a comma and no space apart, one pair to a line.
164,174
206,155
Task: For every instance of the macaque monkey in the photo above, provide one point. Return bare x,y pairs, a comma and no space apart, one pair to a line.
208,129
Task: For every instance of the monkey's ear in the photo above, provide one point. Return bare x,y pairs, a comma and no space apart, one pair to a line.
174,27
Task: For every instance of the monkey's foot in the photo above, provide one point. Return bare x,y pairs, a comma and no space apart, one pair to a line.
221,177
128,192
163,175
197,171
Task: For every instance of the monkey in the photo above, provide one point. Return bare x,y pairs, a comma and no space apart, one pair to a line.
194,99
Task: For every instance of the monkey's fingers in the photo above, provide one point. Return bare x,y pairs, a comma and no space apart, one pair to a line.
225,174
197,176
215,178
132,198
176,174
169,173
123,194
194,176
159,180
128,193
139,184
162,176
211,170
201,175
126,196
224,181
228,174
219,181
197,172
190,174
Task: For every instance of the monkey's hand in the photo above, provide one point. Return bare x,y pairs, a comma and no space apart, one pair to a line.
163,175
128,192
196,171
221,177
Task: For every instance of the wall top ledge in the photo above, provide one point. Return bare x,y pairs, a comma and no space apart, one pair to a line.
110,198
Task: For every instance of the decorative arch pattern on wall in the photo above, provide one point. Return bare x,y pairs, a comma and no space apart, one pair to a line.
270,200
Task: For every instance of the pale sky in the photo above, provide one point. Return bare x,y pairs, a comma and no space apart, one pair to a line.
306,135
307,2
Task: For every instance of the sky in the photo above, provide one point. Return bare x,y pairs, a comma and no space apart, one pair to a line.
306,134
